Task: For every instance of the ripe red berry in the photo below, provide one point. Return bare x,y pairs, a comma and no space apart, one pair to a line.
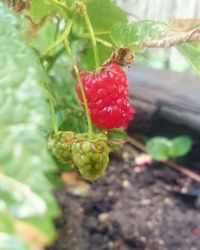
107,96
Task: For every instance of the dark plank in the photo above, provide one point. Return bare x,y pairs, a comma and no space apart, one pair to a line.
176,96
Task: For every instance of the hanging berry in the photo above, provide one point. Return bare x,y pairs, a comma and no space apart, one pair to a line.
107,96
91,156
60,145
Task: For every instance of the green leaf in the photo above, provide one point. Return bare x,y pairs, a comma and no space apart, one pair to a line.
69,112
191,53
87,57
159,148
41,8
102,27
118,136
45,36
104,14
137,32
25,192
6,221
180,146
8,239
22,203
9,16
11,242
55,179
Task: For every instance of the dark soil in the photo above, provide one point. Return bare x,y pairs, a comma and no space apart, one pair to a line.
152,208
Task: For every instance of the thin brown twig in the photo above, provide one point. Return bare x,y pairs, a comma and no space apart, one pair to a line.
183,170
137,144
175,39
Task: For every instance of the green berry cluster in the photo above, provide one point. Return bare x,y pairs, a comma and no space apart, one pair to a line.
90,156
60,145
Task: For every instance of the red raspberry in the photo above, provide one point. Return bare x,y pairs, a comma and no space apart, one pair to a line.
107,96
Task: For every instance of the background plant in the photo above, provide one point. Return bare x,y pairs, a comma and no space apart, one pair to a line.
161,148
35,71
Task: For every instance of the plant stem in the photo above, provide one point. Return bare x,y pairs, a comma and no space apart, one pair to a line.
100,33
57,28
92,36
58,41
53,116
183,170
53,59
85,103
99,40
62,6
104,42
137,144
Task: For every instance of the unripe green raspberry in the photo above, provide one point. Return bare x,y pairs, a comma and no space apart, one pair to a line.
91,156
60,145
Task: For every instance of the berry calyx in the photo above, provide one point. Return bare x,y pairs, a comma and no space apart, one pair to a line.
60,145
90,156
121,56
107,96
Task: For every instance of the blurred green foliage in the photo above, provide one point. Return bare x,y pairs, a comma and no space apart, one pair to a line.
161,148
25,192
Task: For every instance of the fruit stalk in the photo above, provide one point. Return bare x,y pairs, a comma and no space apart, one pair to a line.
53,116
66,9
85,103
58,41
92,36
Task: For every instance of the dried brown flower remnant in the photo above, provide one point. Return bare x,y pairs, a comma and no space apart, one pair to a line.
18,5
121,56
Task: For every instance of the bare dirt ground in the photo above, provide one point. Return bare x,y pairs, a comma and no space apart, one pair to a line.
152,208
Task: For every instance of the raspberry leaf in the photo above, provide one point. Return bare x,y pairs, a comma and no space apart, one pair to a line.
191,53
88,59
101,8
45,36
41,8
68,110
24,158
137,32
104,8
